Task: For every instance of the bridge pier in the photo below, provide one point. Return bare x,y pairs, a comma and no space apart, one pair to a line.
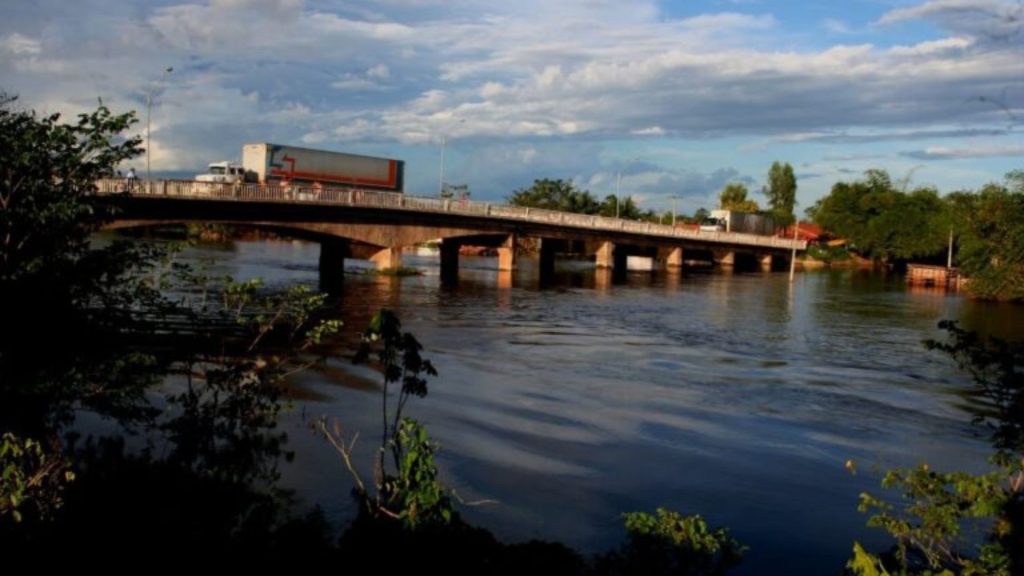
766,260
724,257
507,254
332,265
388,259
606,256
670,257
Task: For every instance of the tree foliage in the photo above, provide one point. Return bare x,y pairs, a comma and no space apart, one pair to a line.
883,222
931,518
100,310
670,543
734,197
781,193
990,232
561,195
49,170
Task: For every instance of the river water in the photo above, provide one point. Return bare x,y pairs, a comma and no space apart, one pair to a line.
738,396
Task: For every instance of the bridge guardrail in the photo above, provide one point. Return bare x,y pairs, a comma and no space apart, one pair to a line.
397,201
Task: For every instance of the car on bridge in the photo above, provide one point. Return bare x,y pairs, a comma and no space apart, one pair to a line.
712,225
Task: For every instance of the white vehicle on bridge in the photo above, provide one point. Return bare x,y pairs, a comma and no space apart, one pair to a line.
712,225
225,172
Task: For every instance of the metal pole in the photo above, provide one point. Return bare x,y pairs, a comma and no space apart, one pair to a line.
949,256
673,197
149,110
792,258
440,181
618,180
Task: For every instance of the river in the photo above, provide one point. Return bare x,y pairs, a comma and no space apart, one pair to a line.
738,396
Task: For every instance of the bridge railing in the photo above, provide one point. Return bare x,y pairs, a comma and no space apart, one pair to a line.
397,201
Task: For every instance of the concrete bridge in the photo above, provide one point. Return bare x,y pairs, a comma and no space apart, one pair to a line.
354,223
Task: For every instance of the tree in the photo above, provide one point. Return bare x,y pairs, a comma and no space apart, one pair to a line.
98,313
883,222
990,230
781,193
939,517
561,195
734,197
48,173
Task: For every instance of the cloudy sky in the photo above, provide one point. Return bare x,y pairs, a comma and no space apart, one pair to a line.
669,98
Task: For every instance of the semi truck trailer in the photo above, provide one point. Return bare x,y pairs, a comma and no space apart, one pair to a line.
274,163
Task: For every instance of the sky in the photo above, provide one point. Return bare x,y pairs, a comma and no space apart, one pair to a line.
653,99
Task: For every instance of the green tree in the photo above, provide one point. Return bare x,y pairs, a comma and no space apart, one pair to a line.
781,193
883,222
990,231
561,195
734,197
929,520
96,309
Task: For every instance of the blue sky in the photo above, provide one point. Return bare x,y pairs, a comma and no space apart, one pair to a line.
679,98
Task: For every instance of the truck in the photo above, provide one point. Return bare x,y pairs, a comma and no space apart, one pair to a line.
225,172
745,223
274,163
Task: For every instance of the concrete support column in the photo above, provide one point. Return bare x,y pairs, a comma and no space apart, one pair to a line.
725,257
332,265
675,258
507,254
766,261
388,259
449,261
606,257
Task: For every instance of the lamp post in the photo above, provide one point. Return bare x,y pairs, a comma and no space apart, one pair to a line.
149,109
618,180
440,178
673,197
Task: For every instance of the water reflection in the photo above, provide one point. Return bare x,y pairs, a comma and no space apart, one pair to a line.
736,395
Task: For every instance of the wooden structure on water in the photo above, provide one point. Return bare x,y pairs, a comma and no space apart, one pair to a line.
928,276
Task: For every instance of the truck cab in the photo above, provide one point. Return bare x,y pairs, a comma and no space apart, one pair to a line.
225,172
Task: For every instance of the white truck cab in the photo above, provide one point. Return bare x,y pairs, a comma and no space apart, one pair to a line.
223,172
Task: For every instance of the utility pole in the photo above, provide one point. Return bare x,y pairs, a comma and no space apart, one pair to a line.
618,181
949,256
440,182
149,108
792,258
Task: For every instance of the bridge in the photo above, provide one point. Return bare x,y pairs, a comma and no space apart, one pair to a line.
374,225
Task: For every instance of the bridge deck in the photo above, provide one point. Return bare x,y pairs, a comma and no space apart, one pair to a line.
202,191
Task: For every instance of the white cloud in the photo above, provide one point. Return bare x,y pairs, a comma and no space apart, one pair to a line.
981,151
19,45
379,72
991,19
650,131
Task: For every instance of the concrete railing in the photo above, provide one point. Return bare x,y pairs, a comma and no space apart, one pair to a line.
396,201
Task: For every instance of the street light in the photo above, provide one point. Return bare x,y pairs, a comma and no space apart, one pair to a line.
673,197
149,109
440,179
618,180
